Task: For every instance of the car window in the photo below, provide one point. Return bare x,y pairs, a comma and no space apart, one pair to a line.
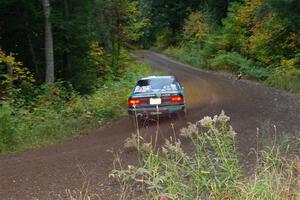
157,84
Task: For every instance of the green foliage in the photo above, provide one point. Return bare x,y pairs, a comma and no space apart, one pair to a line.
13,71
165,15
57,112
236,63
255,39
196,28
264,32
21,28
288,10
85,78
136,22
193,56
164,39
78,27
229,62
215,44
287,75
211,170
8,135
217,9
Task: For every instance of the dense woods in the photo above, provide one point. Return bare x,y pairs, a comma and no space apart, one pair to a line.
53,53
60,64
257,38
71,36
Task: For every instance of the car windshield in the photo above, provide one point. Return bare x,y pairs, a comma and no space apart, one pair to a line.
156,84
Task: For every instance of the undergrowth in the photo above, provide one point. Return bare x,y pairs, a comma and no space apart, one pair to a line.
57,112
281,78
211,170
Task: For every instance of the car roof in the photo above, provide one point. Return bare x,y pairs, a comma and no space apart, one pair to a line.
157,77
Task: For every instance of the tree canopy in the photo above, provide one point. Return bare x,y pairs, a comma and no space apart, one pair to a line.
90,36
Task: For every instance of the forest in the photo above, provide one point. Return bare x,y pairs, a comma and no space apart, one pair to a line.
258,39
58,56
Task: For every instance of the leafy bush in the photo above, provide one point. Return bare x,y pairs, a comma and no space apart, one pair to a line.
230,62
196,28
58,113
164,39
8,134
210,171
235,62
255,39
12,70
187,55
96,67
215,44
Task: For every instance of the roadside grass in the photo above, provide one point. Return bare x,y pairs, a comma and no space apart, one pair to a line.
193,57
284,77
211,170
59,113
286,82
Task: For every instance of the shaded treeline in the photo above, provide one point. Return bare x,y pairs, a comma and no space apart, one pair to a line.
259,39
31,30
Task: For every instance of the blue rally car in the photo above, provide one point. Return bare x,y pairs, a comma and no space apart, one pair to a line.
157,95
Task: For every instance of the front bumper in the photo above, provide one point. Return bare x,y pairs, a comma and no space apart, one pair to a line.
160,110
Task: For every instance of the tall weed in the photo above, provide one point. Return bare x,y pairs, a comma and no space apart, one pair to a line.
210,171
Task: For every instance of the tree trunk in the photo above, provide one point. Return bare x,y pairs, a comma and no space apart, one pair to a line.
48,43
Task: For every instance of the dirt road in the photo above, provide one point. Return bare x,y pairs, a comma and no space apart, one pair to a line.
46,173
